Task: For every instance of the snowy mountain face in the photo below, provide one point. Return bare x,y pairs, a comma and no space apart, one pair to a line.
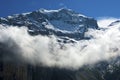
65,24
114,23
62,22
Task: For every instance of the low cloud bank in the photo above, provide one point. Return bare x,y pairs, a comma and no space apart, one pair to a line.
16,43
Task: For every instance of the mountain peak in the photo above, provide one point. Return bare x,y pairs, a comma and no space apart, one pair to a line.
61,22
61,11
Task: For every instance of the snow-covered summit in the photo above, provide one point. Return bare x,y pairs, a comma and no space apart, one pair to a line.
62,10
61,22
115,23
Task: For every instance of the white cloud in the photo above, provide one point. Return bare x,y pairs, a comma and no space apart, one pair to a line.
61,4
46,51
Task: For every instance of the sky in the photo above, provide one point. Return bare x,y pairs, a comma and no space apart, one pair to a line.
91,8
